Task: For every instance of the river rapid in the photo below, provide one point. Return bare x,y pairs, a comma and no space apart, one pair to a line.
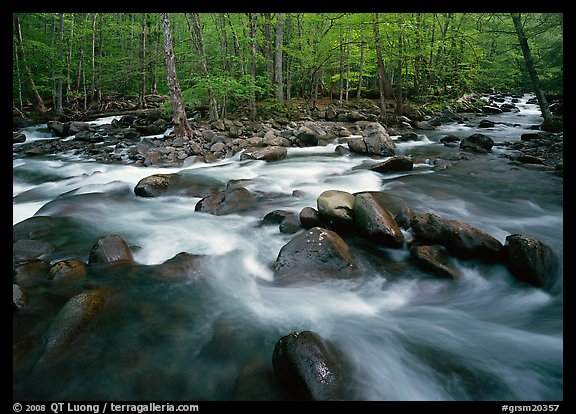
407,335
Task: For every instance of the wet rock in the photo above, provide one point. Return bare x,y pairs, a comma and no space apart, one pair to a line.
528,159
154,185
290,224
376,222
395,163
434,259
477,143
315,255
26,250
308,368
488,109
69,270
229,201
31,274
309,218
110,249
272,153
460,239
530,260
377,140
73,319
276,217
401,211
18,137
19,298
449,139
183,266
336,207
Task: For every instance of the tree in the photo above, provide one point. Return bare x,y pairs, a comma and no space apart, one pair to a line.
181,127
37,101
278,58
540,95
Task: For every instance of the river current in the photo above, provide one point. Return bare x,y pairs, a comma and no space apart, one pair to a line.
408,336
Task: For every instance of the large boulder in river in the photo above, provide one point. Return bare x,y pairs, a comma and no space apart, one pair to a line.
229,201
315,255
374,141
477,143
185,185
460,239
336,207
273,153
154,185
376,222
309,368
110,249
530,260
400,210
396,163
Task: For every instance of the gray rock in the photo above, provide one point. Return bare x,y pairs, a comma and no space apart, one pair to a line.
376,222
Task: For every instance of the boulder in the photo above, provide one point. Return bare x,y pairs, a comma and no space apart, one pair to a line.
434,259
290,224
309,218
309,368
73,319
154,185
271,153
336,207
376,222
315,255
229,201
477,143
395,163
401,211
460,239
19,298
530,260
110,249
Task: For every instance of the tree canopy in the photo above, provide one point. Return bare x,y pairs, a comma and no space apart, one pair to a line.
226,61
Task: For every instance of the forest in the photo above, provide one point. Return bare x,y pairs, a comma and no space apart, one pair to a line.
66,64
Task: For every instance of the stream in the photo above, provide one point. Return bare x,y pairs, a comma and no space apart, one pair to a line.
408,336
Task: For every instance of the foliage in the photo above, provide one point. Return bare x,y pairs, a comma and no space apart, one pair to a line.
424,52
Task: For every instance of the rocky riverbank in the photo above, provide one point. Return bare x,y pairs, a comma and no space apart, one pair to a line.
143,137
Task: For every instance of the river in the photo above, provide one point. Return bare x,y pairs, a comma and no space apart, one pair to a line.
408,336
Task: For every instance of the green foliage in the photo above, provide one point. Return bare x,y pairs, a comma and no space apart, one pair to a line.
466,51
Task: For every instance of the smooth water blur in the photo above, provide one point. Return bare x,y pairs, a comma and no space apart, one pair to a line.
407,336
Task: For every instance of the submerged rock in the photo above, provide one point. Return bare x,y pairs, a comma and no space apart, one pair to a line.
309,368
229,201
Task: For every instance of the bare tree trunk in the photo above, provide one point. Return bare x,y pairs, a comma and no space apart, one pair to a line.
142,94
20,101
37,102
360,72
347,87
253,27
181,127
380,61
341,69
540,95
59,108
197,30
267,30
93,75
399,80
278,57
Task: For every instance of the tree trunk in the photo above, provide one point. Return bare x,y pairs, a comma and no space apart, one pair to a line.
399,80
253,50
212,104
267,30
181,127
360,72
540,95
278,58
59,97
37,102
380,61
142,94
93,75
341,69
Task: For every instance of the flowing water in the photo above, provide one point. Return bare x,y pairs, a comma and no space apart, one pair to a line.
408,336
